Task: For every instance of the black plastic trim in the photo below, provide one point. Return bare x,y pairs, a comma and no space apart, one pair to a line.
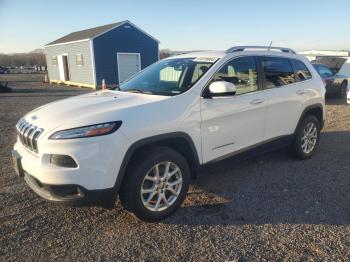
222,94
148,141
265,146
306,110
63,161
50,192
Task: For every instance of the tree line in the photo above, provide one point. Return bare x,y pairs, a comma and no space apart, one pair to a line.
164,53
23,59
38,58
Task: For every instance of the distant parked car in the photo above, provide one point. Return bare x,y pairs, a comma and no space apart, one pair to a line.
4,70
335,83
27,68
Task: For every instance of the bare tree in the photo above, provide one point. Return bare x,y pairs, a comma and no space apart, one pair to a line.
164,53
23,59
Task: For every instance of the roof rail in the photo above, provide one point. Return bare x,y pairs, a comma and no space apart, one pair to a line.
242,48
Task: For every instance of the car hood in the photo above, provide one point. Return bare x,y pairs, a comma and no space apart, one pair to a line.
333,63
87,109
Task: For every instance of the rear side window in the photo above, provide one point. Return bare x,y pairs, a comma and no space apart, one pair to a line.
301,71
278,72
199,70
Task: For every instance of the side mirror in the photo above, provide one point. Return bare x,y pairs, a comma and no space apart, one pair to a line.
222,88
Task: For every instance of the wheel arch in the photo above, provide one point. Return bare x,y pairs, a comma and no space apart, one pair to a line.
316,110
178,141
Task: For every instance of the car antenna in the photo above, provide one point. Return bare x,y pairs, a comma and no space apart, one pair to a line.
268,49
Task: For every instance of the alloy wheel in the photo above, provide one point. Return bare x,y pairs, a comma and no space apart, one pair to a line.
161,186
309,138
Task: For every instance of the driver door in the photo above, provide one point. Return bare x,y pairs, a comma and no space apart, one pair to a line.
233,123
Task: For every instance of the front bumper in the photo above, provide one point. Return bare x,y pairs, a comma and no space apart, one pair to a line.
98,161
65,194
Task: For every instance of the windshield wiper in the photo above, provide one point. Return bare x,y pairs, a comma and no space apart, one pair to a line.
135,90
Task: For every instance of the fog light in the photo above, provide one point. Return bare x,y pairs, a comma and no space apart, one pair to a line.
63,161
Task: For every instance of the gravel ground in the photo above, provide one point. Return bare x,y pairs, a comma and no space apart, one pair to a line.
271,207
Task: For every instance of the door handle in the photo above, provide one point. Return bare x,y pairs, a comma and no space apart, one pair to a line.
300,92
257,101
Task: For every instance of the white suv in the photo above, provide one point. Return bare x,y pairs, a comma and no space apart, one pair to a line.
146,140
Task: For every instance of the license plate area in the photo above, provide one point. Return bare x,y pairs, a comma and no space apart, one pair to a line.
17,164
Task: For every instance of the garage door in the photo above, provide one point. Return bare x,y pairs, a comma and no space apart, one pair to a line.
128,65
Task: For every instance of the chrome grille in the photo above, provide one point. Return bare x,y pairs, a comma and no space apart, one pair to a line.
28,134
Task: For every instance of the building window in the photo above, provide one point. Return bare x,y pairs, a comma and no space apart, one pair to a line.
54,60
79,59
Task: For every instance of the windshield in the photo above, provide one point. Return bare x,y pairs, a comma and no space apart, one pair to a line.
169,77
323,70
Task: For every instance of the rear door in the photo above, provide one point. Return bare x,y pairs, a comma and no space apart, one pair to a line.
128,65
285,92
232,123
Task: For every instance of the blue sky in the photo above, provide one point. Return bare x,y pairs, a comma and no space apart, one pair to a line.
183,24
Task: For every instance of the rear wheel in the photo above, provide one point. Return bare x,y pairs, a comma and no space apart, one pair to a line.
307,138
156,184
343,90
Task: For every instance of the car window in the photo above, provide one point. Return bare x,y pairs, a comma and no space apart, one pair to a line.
278,72
169,76
323,70
301,71
199,70
242,72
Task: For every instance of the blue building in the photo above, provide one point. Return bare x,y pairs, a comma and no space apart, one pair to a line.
111,52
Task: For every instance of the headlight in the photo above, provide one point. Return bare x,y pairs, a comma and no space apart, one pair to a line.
87,131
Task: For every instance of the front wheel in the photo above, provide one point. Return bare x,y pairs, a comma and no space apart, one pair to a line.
306,138
156,184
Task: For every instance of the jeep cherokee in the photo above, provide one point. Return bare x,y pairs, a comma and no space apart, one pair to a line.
146,139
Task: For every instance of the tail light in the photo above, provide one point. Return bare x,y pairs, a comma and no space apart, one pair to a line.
324,82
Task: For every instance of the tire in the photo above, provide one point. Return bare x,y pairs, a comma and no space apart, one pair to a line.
298,149
343,90
142,175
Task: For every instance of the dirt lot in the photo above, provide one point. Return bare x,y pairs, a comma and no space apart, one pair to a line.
268,208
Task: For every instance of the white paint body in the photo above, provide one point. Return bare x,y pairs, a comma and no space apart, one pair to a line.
217,126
